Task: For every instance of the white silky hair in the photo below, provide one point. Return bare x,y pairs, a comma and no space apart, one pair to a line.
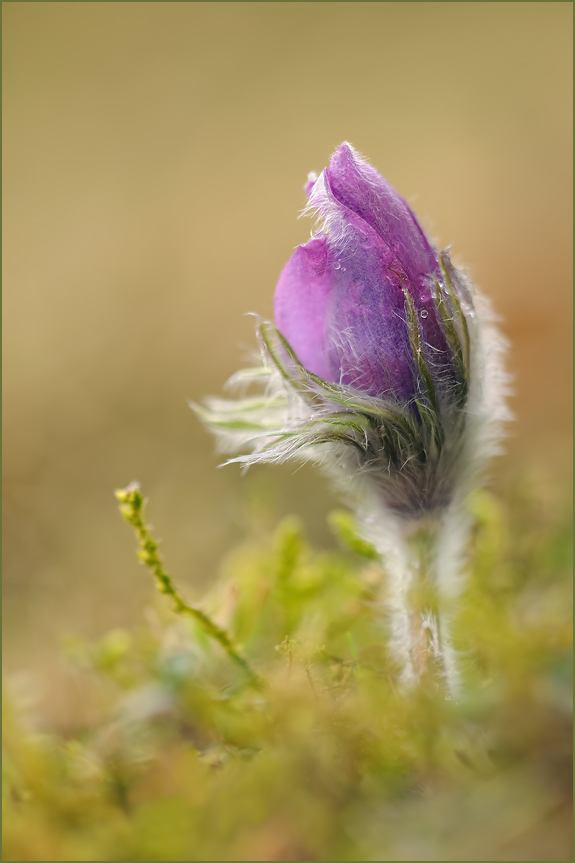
329,217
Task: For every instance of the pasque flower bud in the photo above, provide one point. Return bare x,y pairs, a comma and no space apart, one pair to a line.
386,368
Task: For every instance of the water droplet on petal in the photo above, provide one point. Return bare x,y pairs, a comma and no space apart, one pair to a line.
424,313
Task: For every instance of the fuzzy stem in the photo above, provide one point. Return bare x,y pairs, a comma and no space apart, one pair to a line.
419,608
131,503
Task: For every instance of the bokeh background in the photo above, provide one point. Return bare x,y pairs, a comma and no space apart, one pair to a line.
154,162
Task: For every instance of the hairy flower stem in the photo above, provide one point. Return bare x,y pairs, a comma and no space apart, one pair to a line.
132,503
419,609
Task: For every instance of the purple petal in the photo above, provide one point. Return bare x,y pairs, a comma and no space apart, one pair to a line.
367,342
361,189
301,304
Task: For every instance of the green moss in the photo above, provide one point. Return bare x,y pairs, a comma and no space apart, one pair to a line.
267,724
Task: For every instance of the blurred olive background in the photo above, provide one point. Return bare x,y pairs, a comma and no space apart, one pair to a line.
154,162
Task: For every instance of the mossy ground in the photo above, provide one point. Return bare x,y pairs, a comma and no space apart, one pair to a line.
187,758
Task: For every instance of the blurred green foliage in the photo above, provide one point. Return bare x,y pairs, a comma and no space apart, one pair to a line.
184,757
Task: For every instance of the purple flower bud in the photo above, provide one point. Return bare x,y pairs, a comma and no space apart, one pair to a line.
384,364
341,299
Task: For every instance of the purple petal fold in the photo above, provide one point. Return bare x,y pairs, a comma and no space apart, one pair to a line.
302,304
